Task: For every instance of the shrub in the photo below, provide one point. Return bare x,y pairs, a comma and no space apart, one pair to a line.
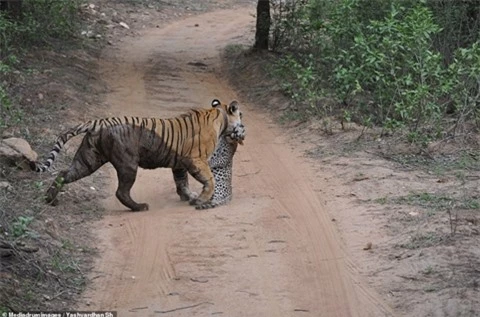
393,63
464,84
387,62
41,22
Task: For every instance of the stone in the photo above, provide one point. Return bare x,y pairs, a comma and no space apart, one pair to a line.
17,152
6,186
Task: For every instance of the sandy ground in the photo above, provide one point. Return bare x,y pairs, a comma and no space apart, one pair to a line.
273,251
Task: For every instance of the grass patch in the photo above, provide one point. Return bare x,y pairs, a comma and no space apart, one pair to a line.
381,200
20,226
429,270
433,201
64,264
422,240
291,115
442,164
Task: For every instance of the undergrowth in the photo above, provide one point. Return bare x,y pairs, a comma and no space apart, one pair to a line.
391,64
39,23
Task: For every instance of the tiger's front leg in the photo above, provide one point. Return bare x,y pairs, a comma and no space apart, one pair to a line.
180,176
200,170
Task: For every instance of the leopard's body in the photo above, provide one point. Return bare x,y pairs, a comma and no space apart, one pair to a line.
221,164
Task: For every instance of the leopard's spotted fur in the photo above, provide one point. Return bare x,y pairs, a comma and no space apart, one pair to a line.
221,164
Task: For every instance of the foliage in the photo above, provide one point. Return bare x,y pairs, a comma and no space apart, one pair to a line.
41,22
460,22
44,20
383,61
464,84
393,63
300,81
20,226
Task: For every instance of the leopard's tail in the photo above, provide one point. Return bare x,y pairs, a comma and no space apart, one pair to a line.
61,140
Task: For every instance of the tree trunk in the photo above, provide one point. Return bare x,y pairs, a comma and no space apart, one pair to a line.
263,25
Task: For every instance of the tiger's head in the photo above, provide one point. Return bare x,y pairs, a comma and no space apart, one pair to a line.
235,130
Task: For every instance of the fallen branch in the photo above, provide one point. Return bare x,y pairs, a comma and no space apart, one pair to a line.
134,310
180,308
248,174
301,310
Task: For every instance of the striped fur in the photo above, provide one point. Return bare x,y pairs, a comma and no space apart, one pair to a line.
221,164
183,142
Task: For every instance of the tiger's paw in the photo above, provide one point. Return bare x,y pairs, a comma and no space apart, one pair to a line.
140,207
207,205
51,201
214,203
185,194
51,195
197,202
188,197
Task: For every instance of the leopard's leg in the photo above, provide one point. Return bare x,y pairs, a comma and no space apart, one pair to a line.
223,188
180,176
86,161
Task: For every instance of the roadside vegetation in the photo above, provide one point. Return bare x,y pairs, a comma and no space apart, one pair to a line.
43,251
408,67
31,25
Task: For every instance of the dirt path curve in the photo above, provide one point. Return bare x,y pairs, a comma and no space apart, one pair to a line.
271,252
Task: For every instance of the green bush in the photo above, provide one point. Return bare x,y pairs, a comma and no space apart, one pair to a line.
386,62
9,115
44,20
20,226
392,62
41,22
464,84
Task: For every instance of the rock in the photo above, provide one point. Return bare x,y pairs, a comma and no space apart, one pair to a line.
368,246
52,229
125,25
17,152
6,186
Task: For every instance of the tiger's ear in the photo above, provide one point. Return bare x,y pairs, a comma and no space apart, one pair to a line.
216,103
233,107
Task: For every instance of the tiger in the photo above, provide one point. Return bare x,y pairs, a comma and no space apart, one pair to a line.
183,143
221,164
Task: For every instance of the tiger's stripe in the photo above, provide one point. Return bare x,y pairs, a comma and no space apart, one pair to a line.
173,132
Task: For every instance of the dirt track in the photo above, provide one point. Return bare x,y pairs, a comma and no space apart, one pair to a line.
273,251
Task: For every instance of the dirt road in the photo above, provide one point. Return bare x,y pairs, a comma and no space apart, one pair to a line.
273,251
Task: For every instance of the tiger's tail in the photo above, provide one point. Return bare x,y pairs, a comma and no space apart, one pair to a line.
61,140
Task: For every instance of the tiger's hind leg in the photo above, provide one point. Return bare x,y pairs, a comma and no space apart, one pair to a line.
86,161
127,173
180,176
